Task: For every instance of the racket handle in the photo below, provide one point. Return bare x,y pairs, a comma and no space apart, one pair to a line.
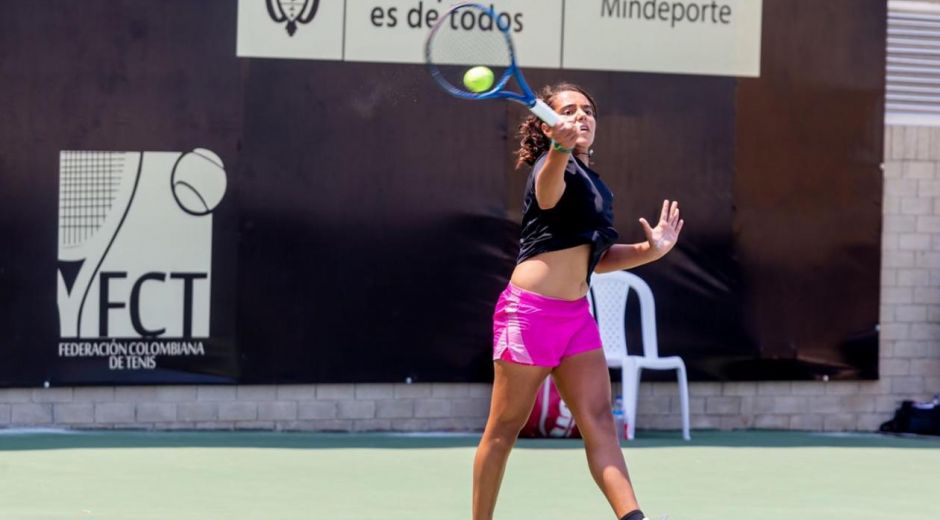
545,112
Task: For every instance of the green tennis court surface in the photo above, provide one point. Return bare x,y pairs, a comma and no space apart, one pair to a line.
235,475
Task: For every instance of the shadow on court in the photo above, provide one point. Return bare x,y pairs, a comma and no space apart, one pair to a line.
11,440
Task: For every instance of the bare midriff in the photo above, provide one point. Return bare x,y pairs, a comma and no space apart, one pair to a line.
557,274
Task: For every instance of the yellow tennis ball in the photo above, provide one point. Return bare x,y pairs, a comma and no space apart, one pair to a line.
478,79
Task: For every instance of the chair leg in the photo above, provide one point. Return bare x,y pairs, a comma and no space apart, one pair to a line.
627,400
684,401
635,374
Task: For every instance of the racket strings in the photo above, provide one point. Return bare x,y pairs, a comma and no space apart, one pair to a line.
88,185
451,50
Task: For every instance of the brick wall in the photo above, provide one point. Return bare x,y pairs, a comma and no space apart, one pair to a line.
347,407
909,365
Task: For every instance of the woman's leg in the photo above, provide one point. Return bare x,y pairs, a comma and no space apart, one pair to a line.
584,383
514,390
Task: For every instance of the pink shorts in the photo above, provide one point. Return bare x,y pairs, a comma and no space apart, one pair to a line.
532,329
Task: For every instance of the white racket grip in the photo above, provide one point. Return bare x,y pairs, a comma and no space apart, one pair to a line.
544,112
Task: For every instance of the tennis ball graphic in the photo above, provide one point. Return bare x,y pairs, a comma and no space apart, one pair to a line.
198,181
478,79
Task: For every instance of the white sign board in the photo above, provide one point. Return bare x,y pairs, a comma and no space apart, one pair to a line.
714,37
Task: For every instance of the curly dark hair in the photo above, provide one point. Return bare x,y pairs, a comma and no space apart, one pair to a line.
532,141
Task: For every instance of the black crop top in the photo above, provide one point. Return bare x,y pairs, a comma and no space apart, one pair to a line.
583,215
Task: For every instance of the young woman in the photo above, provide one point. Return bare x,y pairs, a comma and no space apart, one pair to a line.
542,324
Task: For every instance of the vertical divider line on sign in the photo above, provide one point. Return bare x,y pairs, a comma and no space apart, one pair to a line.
343,51
561,58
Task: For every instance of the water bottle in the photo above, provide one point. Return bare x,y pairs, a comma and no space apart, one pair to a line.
619,422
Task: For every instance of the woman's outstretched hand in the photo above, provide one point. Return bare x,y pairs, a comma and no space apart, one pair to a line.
664,236
564,133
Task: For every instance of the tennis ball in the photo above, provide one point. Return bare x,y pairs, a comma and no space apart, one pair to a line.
198,181
478,79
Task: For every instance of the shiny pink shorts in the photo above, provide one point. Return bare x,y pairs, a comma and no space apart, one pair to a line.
532,329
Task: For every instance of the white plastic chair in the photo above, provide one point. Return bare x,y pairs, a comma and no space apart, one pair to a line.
608,294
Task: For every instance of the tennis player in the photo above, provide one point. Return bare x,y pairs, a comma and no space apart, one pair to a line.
542,324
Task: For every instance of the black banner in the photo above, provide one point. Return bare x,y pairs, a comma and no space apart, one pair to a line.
295,221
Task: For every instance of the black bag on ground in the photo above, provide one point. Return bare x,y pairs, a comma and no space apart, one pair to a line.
914,417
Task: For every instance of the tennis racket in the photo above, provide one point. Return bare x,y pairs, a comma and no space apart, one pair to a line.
473,34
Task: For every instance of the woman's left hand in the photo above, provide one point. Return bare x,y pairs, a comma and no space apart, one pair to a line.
664,236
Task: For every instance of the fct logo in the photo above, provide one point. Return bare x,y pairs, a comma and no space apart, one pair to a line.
135,247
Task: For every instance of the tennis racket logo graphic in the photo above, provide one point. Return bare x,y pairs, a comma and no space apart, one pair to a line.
96,190
292,12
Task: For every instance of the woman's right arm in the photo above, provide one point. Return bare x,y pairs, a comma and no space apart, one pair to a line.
550,179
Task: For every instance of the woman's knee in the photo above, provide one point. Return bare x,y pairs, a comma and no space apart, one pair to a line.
596,416
499,440
505,427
